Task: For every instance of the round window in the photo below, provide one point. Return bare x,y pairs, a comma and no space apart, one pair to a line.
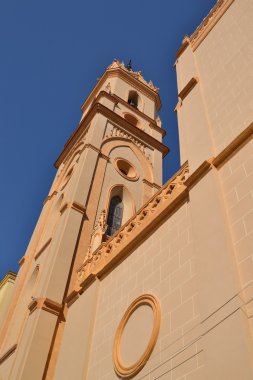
126,169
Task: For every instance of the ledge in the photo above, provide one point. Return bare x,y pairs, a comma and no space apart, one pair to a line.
112,116
233,146
8,353
188,88
45,304
42,249
75,206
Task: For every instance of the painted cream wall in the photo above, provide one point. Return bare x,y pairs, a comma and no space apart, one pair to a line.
224,61
147,105
218,108
237,182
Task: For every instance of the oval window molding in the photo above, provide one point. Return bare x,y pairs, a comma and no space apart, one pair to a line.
129,370
126,169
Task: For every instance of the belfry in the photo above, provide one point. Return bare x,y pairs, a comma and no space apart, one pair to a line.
129,278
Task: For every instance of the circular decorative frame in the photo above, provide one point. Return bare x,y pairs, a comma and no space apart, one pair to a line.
116,160
129,371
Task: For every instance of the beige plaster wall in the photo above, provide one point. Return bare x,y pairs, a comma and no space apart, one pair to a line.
237,182
224,60
219,107
163,265
75,346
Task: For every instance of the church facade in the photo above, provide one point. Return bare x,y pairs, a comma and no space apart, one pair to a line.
125,277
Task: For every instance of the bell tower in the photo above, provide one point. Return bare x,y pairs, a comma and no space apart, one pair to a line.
109,167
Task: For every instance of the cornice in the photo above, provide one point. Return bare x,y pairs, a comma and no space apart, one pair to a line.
45,304
21,261
100,108
185,44
165,201
42,249
162,204
205,27
233,146
8,353
73,205
188,88
116,99
209,22
10,276
123,74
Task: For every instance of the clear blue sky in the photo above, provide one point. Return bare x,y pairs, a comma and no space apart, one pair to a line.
52,52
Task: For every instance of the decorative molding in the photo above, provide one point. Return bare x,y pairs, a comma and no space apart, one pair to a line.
126,371
233,146
50,196
9,277
140,134
8,353
199,173
113,117
120,132
21,261
209,22
205,27
108,254
187,89
185,44
120,72
45,304
116,99
151,184
164,202
92,147
178,105
75,206
127,177
42,249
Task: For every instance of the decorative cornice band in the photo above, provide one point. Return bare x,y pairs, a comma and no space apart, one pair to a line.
188,88
205,27
198,174
132,129
209,22
42,249
92,147
134,230
75,206
8,353
9,276
116,99
171,196
151,184
100,108
45,304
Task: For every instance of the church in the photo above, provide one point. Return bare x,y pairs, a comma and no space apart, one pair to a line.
128,278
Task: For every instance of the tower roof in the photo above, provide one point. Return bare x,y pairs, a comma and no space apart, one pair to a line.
135,74
117,68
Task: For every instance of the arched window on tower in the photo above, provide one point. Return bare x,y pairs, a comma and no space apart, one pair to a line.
133,99
115,215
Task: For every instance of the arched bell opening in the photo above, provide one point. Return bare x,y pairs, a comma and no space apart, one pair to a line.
119,209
